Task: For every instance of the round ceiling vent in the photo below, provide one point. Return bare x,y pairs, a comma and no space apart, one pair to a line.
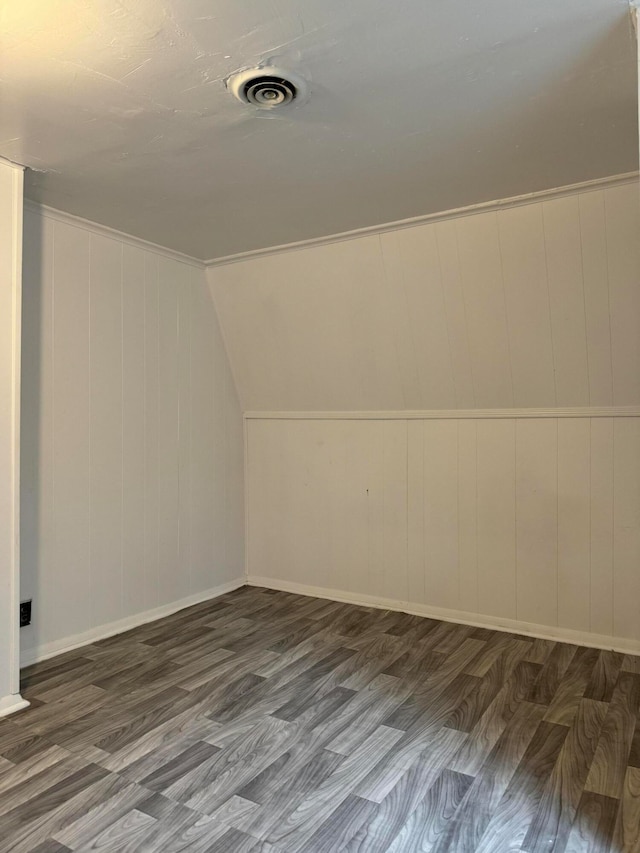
267,88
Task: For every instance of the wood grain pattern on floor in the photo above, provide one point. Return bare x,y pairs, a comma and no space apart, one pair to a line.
269,722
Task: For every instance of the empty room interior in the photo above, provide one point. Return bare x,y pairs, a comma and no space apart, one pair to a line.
319,426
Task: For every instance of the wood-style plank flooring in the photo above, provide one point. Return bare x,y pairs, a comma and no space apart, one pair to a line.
265,721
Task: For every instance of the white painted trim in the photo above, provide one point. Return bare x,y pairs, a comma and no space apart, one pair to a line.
412,222
451,414
11,704
544,632
469,210
245,438
67,644
113,233
17,166
16,381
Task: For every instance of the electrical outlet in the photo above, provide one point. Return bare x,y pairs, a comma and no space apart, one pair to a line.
25,613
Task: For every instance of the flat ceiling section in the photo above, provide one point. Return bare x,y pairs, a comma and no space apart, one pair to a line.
121,110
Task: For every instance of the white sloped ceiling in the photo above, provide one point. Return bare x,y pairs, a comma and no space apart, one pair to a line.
121,111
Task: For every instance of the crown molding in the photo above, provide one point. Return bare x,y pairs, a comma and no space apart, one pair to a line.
455,213
112,233
470,210
451,414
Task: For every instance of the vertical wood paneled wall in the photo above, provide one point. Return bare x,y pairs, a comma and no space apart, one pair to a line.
510,521
530,306
515,520
132,473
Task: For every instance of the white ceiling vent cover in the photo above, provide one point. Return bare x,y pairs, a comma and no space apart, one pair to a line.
268,87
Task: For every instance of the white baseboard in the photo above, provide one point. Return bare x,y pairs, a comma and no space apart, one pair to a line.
478,620
11,704
101,632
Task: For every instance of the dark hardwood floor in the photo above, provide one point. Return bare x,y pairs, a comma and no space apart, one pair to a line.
264,721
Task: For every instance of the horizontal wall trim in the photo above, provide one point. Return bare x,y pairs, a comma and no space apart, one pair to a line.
544,632
112,233
451,414
11,704
67,644
412,222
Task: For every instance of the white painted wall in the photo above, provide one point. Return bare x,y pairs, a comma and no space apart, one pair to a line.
532,523
533,306
11,191
132,436
528,523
